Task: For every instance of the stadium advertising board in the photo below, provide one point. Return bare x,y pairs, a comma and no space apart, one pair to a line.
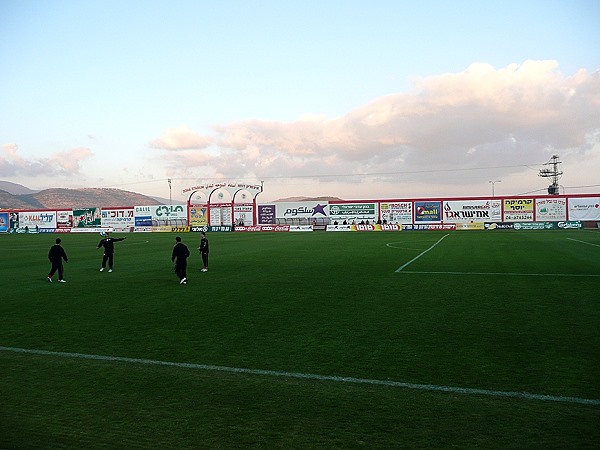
172,229
388,227
470,226
118,218
428,211
458,211
518,209
339,227
220,214
365,227
89,230
198,216
399,212
34,220
166,213
301,228
266,214
587,208
429,226
256,228
86,218
534,225
301,210
571,224
551,209
147,216
499,226
243,214
142,216
4,222
64,219
353,212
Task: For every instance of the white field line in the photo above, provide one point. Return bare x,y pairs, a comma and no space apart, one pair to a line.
583,242
309,376
511,274
399,269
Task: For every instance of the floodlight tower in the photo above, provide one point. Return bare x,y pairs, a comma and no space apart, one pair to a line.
554,173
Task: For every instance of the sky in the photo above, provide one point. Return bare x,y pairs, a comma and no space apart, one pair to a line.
351,99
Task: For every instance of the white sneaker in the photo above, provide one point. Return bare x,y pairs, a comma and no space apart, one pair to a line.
62,281
204,270
101,269
109,270
50,279
183,281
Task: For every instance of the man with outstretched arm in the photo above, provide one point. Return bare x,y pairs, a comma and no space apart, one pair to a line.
109,251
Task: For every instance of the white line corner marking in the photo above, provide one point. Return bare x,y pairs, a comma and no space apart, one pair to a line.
399,269
310,376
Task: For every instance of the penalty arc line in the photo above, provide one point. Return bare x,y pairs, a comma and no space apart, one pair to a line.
309,376
399,269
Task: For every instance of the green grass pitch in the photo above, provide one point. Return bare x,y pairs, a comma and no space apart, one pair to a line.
362,355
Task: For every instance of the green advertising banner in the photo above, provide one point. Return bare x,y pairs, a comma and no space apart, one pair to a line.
87,218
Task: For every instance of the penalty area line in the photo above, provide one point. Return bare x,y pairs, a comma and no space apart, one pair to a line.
309,376
583,242
399,269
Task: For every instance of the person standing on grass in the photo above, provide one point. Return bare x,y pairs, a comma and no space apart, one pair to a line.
109,251
179,256
56,256
204,252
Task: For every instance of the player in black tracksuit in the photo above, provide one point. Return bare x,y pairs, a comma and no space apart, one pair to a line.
56,256
204,252
179,256
109,251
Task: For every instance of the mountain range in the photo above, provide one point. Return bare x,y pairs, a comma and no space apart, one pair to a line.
16,196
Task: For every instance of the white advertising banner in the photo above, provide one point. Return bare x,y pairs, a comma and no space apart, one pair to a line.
584,208
397,212
353,212
473,211
118,218
302,210
39,219
160,213
551,209
64,219
220,214
243,214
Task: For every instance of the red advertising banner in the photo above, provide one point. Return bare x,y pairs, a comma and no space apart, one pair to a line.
260,228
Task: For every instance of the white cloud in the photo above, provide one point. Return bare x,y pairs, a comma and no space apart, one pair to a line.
60,163
182,137
520,114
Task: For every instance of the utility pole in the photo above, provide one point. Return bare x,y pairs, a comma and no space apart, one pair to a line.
555,173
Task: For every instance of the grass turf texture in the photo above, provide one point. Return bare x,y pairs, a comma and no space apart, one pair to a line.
330,304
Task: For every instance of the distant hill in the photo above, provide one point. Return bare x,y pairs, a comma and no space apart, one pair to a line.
14,188
74,198
16,196
10,201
